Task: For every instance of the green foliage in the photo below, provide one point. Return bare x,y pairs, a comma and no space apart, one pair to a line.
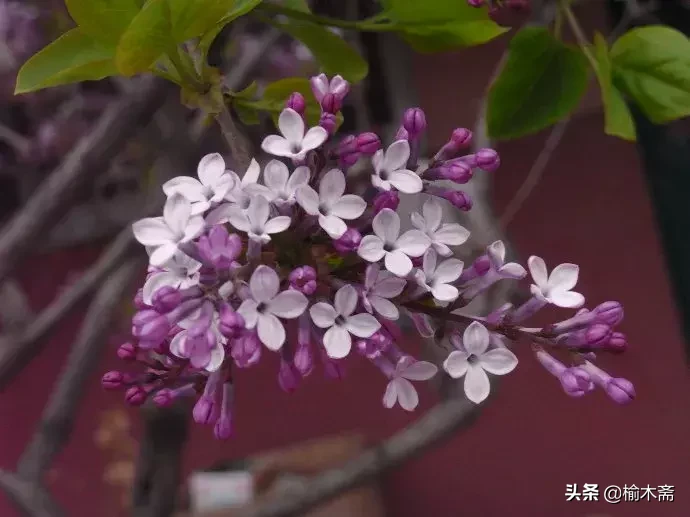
617,116
191,19
240,8
103,20
651,65
543,81
71,58
146,38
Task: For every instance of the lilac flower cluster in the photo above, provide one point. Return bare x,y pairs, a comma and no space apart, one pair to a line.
285,259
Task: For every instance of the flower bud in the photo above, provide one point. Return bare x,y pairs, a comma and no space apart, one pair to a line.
458,199
223,428
456,171
618,343
386,199
331,104
246,349
150,327
113,380
347,152
127,352
368,143
166,299
487,159
139,300
414,122
304,360
164,398
219,249
231,323
136,396
205,410
348,241
288,376
610,313
296,102
401,134
576,382
328,122
620,390
303,279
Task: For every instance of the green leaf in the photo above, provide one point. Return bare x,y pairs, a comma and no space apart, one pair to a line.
240,8
71,58
542,81
617,116
146,38
438,38
191,19
247,113
103,20
651,65
248,93
332,52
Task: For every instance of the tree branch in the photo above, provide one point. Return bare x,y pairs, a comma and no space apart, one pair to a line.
30,498
53,196
58,416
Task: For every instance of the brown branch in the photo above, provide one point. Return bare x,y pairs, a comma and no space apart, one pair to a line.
29,498
53,197
58,416
439,423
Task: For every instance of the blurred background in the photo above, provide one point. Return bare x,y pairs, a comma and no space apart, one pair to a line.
617,209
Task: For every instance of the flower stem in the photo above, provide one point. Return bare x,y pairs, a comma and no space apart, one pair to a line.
239,147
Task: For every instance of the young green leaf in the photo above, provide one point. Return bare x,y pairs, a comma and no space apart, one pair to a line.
146,38
276,95
332,52
651,65
191,19
103,20
617,116
71,58
246,112
441,37
542,81
241,7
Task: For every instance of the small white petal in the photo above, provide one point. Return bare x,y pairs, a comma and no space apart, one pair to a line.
277,224
221,214
413,243
390,397
377,161
195,227
362,325
258,211
433,212
349,207
264,284
420,371
276,175
332,225
163,254
314,138
444,292
564,277
176,212
422,323
217,357
331,187
247,310
277,146
537,268
288,304
291,125
497,254
476,338
512,270
477,384
498,361
371,248
429,263
398,263
418,221
211,168
238,219
448,271
386,225
299,177
380,184
337,341
566,299
456,364
176,344
345,300
323,315
406,181
308,199
270,331
152,231
451,234
155,282
190,188
252,173
384,307
407,394
396,155
389,286
371,275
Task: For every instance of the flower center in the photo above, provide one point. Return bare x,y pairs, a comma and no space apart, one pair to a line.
296,148
261,308
384,174
388,247
473,359
208,192
324,209
340,321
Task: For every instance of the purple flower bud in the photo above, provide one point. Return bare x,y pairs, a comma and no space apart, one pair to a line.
620,390
296,102
223,428
166,299
347,152
339,87
597,334
303,279
458,199
150,327
219,249
610,313
304,360
576,382
328,122
618,343
319,86
401,134
136,396
288,376
334,369
127,352
164,398
386,199
246,349
113,380
348,241
414,122
139,300
331,104
205,410
456,171
487,159
476,3
460,139
368,143
231,323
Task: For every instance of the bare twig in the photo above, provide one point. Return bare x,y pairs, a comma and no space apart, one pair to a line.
29,498
54,195
239,147
58,416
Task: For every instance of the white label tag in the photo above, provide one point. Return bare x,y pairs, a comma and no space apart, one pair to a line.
219,490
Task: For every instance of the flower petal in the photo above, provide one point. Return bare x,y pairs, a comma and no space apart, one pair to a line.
185,185
386,225
444,292
152,231
334,226
288,304
276,175
345,300
498,361
429,263
420,371
566,299
418,221
413,243
251,175
323,315
176,213
377,161
314,138
298,178
564,277
362,325
371,248
308,199
264,284
389,286
512,270
238,219
451,234
456,364
475,338
217,357
277,224
162,254
277,146
271,331
384,307
398,263
349,207
155,282
477,384
195,227
337,341
497,254
176,344
407,394
221,214
537,268
406,181
433,212
210,169
331,187
448,271
422,323
390,397
291,125
247,310
396,155
258,211
371,275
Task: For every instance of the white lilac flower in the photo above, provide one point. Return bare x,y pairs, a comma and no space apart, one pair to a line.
211,360
211,187
437,278
400,389
341,322
240,195
556,287
441,235
179,272
388,244
282,184
266,304
255,221
390,169
379,286
499,269
293,143
331,204
475,360
163,235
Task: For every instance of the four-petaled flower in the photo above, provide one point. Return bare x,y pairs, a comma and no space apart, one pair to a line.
255,222
197,351
499,269
179,272
266,304
341,322
437,278
211,187
240,195
556,287
389,244
379,286
331,204
294,143
441,235
390,169
475,360
400,389
163,235
282,184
